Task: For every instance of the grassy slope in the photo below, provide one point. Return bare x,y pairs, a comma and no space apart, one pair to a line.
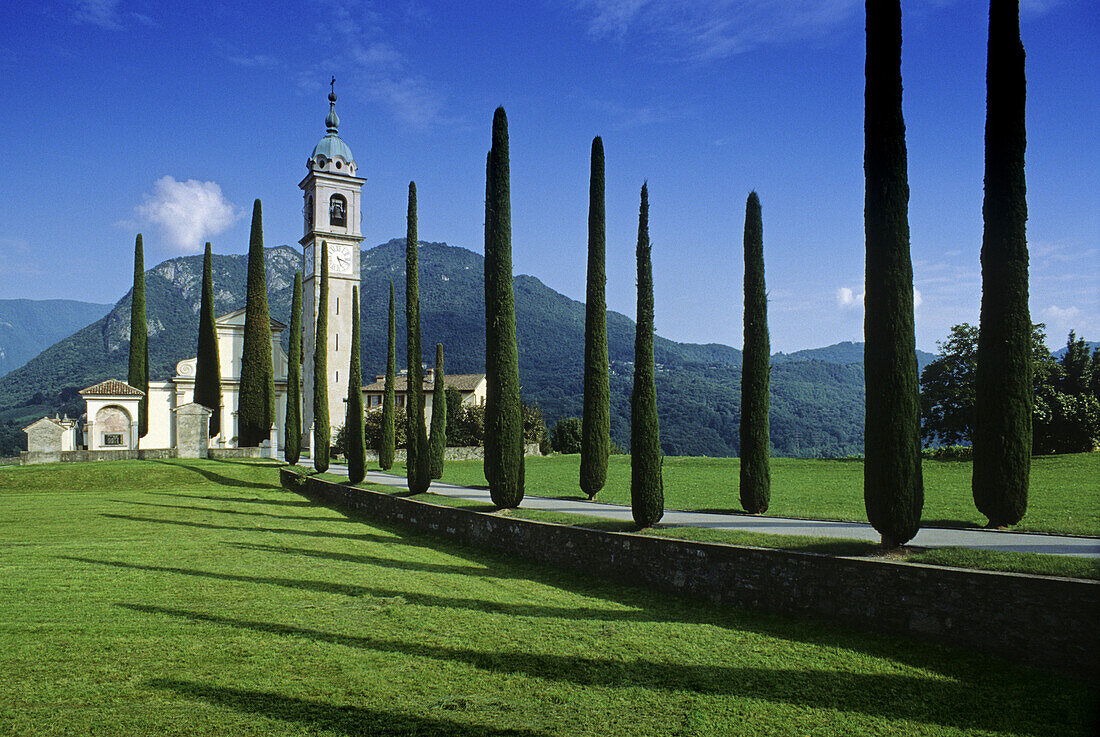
1064,496
198,598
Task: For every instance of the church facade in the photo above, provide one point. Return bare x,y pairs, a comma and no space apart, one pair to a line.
332,216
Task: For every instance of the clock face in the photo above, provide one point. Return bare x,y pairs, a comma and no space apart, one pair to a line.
341,259
309,260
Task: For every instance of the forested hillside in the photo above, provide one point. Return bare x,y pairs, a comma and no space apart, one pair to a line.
817,406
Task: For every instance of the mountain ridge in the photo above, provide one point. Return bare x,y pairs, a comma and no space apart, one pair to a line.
817,405
29,326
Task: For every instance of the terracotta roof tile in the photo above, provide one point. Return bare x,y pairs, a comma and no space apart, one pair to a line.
112,388
462,382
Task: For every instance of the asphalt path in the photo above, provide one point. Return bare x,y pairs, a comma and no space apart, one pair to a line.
927,537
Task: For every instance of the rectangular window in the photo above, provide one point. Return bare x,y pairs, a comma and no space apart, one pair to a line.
337,305
337,377
338,341
114,438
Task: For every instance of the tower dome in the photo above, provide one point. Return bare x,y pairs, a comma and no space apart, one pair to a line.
331,153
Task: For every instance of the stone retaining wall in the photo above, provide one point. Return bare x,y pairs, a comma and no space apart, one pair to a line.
151,454
1041,620
467,453
224,453
28,458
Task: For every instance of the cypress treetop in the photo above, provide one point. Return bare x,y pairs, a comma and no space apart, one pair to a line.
596,423
503,410
208,382
138,376
755,486
647,489
256,402
292,429
893,487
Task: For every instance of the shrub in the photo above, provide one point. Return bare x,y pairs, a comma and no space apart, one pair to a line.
567,435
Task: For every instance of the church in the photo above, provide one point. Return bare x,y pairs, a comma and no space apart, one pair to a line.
331,192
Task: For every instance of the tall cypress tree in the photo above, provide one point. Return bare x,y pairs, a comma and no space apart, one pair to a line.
138,376
755,487
208,380
353,420
503,411
389,431
437,440
647,486
893,487
256,403
322,435
1003,379
596,423
416,459
292,428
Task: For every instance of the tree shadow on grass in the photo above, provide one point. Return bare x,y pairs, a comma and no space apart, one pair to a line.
221,479
243,499
953,524
342,518
317,715
993,702
372,560
363,536
409,597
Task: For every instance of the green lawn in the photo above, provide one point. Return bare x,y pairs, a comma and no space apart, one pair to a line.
198,598
1064,495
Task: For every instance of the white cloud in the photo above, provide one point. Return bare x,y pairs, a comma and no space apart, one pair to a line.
846,297
1063,317
102,13
355,40
188,212
105,14
709,29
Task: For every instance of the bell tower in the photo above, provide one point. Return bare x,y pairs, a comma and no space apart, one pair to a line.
331,191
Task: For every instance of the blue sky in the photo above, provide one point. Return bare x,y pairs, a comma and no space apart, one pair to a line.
122,116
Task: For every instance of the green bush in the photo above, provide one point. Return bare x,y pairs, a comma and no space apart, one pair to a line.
948,453
567,435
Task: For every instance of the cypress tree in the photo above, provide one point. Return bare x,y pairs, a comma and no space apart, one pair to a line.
437,441
292,429
1003,379
388,445
208,381
322,435
416,459
647,487
138,376
353,420
256,404
893,487
755,487
596,423
503,411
